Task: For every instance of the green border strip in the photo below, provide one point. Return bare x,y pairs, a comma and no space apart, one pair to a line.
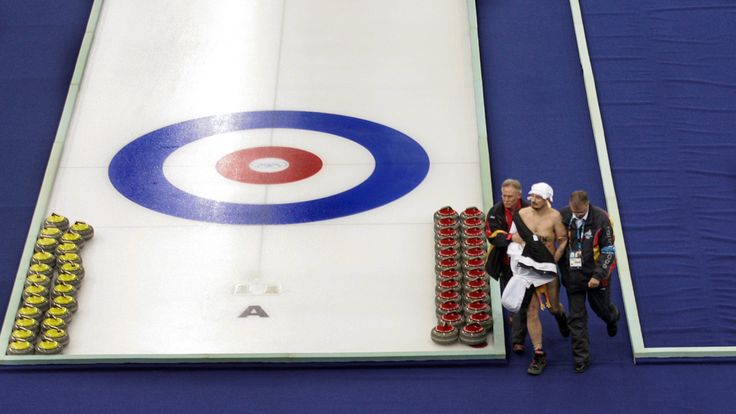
624,271
469,354
499,342
62,359
50,175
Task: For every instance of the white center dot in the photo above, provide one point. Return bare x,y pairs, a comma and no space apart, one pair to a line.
269,165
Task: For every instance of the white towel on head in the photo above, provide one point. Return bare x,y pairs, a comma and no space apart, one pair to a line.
543,190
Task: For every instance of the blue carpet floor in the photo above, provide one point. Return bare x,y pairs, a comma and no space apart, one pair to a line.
539,130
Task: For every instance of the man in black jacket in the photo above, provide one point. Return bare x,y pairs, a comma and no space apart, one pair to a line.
498,223
586,272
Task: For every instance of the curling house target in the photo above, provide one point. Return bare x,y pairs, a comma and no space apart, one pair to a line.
401,164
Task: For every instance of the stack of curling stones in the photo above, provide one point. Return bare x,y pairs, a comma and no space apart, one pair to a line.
54,277
462,284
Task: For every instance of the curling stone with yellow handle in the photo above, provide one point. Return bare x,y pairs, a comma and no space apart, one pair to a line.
29,312
65,301
26,323
53,322
34,290
46,258
65,248
45,244
55,334
61,312
41,268
23,335
20,348
62,289
50,232
75,238
41,302
48,347
83,229
38,279
72,268
68,258
68,279
58,221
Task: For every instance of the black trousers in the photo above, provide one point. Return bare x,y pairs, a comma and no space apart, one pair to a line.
577,320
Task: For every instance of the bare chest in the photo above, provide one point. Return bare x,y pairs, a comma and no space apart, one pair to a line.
541,225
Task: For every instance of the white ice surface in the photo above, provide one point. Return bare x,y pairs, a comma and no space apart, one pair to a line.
363,283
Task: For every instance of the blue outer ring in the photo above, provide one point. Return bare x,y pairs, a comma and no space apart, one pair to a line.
136,171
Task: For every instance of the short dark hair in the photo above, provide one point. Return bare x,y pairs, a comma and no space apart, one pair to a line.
579,197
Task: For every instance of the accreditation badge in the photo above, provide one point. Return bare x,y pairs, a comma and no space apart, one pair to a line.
576,259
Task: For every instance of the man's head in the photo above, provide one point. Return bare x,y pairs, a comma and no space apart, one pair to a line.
541,196
510,192
579,203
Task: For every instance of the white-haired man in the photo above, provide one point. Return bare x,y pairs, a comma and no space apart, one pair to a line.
498,265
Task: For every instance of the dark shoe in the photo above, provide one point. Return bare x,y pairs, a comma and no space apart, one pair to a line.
561,319
580,367
539,361
612,327
518,348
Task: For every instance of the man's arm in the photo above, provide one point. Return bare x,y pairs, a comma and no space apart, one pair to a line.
606,260
496,230
560,238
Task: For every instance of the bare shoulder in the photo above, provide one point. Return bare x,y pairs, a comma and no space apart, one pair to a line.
554,214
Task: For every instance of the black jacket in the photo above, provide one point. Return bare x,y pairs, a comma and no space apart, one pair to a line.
496,231
598,252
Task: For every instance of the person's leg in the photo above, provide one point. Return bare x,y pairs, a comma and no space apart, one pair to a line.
518,331
558,311
578,323
533,324
600,302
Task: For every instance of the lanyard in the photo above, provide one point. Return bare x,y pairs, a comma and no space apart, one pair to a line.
579,232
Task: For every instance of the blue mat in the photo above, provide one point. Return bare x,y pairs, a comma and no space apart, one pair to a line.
528,50
666,77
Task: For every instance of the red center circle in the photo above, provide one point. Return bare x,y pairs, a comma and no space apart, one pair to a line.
269,165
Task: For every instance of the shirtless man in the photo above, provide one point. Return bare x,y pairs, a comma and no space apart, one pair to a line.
544,224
